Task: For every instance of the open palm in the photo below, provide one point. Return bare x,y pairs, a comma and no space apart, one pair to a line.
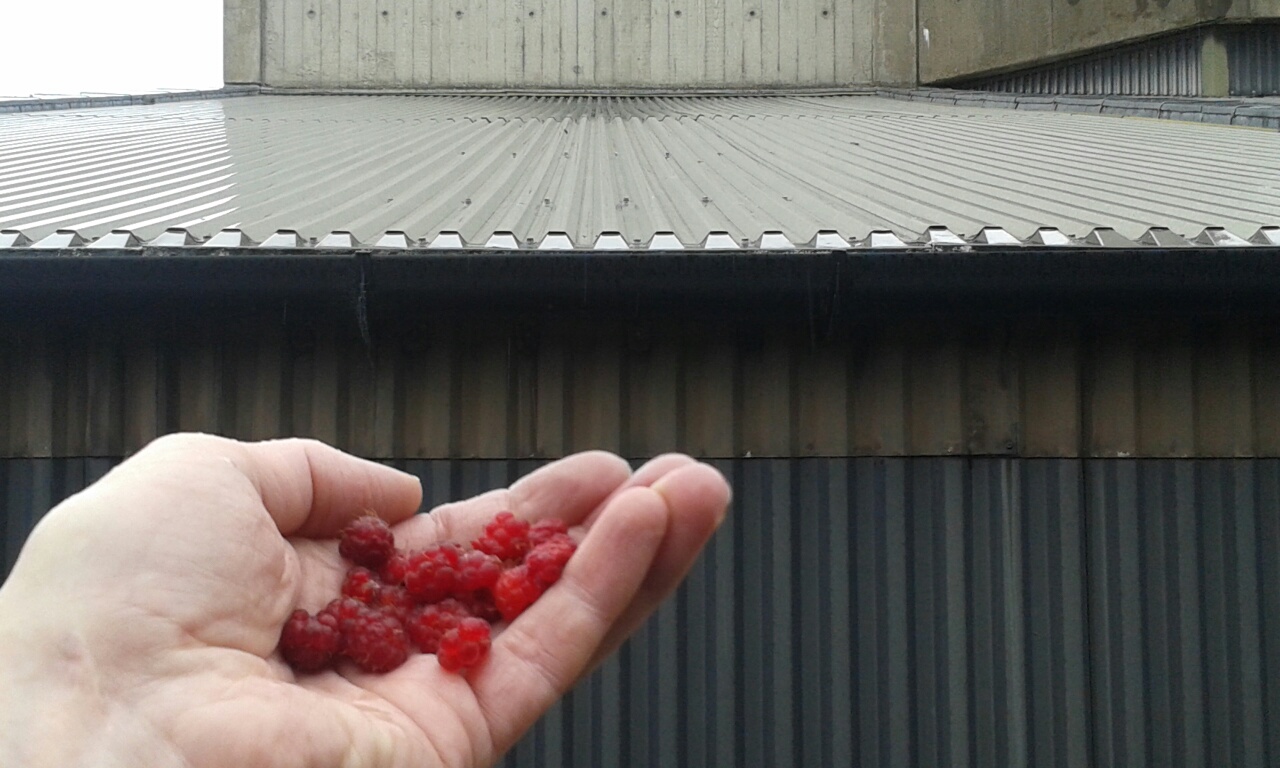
160,592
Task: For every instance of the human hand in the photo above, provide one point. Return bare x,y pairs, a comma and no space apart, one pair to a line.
140,622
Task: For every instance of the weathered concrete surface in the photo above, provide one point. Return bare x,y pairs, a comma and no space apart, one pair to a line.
962,38
242,41
571,44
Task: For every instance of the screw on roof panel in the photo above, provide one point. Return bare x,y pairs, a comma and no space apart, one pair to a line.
665,241
63,238
1107,237
556,241
828,238
447,240
392,239
882,238
1163,237
505,241
1264,236
229,238
1219,236
774,240
338,239
285,238
174,237
12,238
611,241
1049,236
995,236
117,238
720,241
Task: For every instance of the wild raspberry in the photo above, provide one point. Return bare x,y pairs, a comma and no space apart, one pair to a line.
307,643
375,641
393,570
547,560
428,623
343,610
544,530
464,646
480,604
362,585
477,570
432,574
504,537
396,601
367,541
515,591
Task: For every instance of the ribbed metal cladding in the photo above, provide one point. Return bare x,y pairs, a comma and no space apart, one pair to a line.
893,612
1168,66
1253,55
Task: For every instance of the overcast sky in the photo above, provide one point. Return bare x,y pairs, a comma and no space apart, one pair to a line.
109,46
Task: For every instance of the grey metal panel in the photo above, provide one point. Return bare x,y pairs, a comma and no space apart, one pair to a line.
1168,66
1253,56
532,166
1182,580
894,612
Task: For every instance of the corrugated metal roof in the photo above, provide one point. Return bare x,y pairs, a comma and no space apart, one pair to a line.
582,166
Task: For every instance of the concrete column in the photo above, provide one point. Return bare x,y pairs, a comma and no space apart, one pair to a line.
1215,69
242,42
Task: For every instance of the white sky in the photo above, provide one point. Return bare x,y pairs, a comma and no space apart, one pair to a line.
109,46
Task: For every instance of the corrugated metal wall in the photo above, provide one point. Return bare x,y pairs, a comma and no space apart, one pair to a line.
1168,66
1254,59
927,612
495,389
566,43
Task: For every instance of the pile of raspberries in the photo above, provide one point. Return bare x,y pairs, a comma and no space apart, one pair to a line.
441,600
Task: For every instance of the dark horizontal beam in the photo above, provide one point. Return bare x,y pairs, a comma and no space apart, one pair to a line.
972,279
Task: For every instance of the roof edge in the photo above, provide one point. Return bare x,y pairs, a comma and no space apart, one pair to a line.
1255,113
860,281
87,101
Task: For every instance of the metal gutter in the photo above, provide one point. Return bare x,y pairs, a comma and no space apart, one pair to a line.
913,279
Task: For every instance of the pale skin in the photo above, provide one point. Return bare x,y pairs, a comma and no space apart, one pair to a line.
139,624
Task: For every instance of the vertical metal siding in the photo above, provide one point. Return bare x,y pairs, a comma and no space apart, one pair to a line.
1048,389
1253,55
897,611
1167,66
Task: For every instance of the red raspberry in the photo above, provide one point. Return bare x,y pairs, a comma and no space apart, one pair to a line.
309,643
515,591
464,646
477,570
367,541
393,570
396,601
343,610
361,584
547,560
375,641
480,604
428,623
543,530
432,574
504,537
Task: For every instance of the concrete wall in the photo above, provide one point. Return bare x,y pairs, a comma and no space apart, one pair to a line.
578,44
960,38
